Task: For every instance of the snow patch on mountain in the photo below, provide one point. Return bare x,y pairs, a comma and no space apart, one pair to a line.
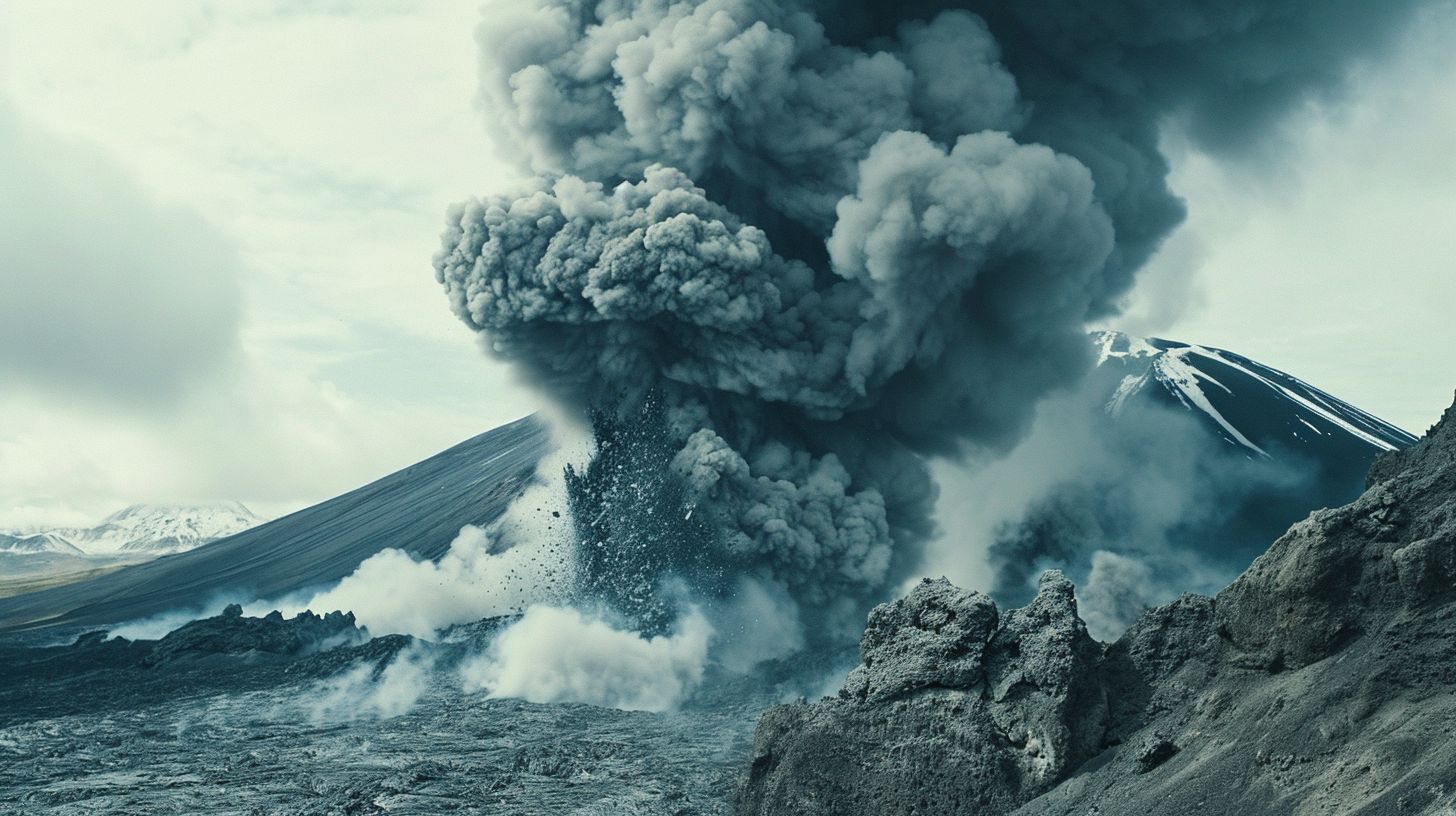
36,544
140,530
1249,404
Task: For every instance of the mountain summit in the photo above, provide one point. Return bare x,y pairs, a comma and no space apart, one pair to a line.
1169,469
162,529
1258,408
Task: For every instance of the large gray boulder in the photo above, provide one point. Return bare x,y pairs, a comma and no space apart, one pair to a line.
934,637
1323,680
953,709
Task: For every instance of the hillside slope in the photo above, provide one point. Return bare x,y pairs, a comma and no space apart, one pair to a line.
1322,680
419,509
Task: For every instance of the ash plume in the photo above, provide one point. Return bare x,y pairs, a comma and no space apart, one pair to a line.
820,242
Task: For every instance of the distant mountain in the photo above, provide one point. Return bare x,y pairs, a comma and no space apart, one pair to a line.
1260,409
43,558
37,544
1195,460
162,529
419,509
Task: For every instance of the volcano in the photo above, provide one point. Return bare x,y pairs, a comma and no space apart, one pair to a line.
1169,469
1264,412
1255,412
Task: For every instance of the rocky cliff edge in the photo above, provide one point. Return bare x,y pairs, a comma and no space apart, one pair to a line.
1322,680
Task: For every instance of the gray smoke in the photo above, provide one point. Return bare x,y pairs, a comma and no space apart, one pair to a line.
1135,508
837,238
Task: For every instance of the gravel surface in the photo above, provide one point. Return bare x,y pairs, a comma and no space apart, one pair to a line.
268,752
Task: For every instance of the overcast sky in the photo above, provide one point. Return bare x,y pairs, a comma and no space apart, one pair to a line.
216,224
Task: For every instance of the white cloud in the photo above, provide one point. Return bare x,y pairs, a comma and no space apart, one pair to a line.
323,145
108,293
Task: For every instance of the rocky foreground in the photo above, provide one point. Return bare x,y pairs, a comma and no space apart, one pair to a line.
308,716
1323,680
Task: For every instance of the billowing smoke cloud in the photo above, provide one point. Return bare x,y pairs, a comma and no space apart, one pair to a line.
832,239
393,592
555,655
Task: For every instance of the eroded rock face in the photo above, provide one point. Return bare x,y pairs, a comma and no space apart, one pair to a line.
1045,686
934,637
954,709
1346,571
1323,680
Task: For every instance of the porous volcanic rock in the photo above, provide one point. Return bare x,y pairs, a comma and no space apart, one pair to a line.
1322,680
954,709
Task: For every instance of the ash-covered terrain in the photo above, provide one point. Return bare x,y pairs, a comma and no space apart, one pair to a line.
785,260
309,715
1320,681
1323,680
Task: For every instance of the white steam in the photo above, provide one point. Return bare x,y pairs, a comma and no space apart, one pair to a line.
359,694
524,558
559,655
392,592
1118,589
161,624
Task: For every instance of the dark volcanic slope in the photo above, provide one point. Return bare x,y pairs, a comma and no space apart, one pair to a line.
1323,680
419,509
1255,408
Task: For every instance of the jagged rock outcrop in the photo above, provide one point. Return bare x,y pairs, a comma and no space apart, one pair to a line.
233,634
981,711
935,637
1322,680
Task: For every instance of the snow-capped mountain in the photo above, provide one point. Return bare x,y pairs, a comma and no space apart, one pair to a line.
1185,463
141,530
37,544
1262,410
162,529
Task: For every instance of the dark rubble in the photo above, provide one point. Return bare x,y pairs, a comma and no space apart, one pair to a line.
244,715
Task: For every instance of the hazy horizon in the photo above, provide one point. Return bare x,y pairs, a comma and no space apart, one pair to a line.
244,308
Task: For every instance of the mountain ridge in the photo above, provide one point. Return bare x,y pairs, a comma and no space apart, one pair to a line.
149,529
